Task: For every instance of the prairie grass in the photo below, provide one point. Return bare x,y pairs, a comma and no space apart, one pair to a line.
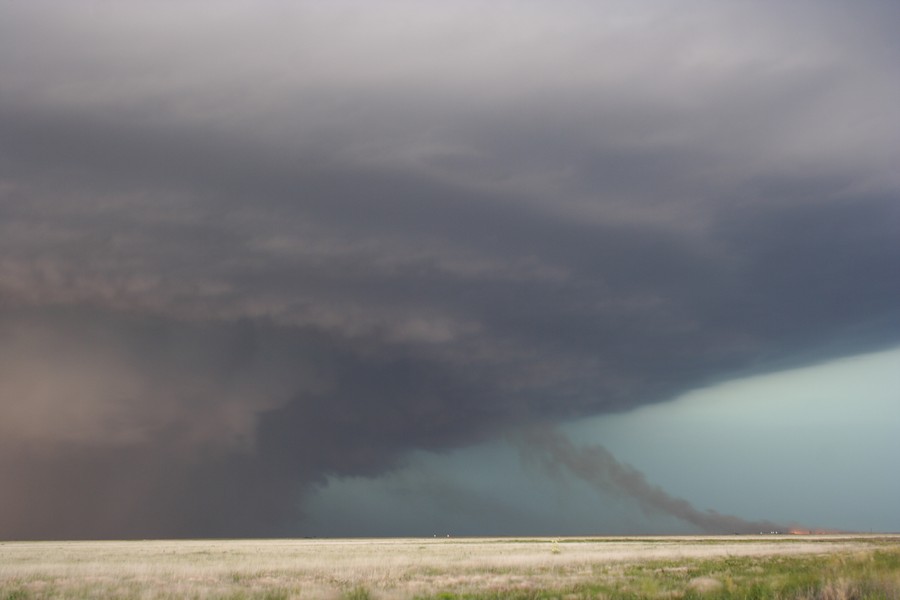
689,568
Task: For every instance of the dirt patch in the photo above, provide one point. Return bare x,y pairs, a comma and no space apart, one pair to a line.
704,584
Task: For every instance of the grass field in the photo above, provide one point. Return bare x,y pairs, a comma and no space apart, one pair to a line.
759,567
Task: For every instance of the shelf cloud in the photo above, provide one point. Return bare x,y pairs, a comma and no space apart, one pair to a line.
246,246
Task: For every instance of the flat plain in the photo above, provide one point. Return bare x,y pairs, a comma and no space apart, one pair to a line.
766,566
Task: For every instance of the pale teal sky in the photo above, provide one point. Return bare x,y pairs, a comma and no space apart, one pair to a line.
817,446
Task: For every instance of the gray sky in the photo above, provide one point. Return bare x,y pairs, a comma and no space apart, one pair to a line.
252,250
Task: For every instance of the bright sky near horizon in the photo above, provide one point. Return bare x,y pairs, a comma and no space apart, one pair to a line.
274,268
785,446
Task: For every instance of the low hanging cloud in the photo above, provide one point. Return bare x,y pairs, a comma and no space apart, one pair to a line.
295,241
597,466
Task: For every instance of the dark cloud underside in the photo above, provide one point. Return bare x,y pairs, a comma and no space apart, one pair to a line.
244,247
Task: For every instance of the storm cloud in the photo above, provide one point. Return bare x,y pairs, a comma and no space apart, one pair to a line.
598,467
245,247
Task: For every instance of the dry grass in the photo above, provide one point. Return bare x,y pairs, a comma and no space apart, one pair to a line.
407,568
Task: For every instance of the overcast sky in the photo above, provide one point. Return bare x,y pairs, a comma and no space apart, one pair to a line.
259,260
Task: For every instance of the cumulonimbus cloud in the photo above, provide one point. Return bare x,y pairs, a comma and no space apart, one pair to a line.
294,241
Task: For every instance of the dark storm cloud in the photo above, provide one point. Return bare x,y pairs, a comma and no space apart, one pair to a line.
244,247
598,467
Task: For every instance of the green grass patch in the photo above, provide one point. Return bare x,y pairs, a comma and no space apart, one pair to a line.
861,576
358,593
